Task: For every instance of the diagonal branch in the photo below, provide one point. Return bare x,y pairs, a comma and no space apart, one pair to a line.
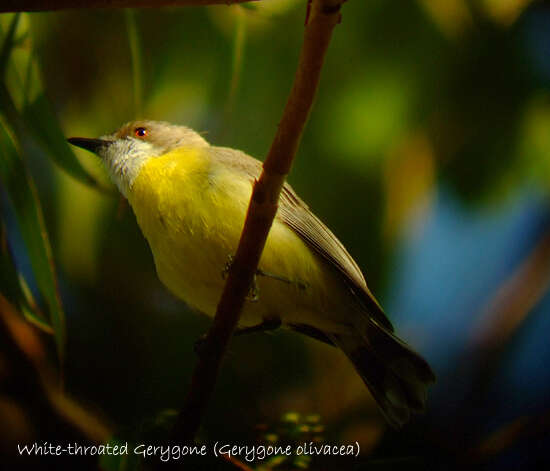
322,18
46,5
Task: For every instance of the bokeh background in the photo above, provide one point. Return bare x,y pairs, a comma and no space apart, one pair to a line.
427,153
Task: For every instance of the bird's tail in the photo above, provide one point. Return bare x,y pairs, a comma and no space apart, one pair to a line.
396,376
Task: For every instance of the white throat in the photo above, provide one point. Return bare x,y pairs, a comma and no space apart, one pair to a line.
124,159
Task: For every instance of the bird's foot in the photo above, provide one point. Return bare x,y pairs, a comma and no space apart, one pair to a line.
298,283
254,291
266,325
227,266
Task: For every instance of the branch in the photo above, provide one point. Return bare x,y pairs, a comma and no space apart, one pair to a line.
513,301
322,19
507,310
236,463
45,5
523,428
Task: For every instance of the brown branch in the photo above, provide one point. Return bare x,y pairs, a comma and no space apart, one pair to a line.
322,19
523,428
238,464
514,300
506,311
47,5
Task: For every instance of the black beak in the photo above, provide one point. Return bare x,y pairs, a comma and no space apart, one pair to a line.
93,145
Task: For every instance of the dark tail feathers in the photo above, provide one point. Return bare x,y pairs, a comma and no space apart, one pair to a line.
396,376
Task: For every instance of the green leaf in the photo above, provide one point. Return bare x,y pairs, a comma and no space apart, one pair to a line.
39,118
22,193
14,287
8,44
41,121
120,461
8,274
134,42
30,309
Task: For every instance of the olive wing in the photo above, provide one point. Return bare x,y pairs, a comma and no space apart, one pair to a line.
296,214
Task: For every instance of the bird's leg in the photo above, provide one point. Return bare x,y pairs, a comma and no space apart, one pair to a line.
266,325
298,283
254,293
227,266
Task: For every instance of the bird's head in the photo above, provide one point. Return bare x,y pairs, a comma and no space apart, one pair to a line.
130,147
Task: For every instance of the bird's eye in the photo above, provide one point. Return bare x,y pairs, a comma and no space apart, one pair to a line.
140,132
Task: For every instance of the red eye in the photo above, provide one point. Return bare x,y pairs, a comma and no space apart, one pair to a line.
140,132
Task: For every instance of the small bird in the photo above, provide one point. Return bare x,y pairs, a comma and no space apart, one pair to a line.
190,200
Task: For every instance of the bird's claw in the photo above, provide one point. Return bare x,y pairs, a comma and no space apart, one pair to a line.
254,292
227,266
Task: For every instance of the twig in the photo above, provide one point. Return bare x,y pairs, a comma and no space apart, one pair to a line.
236,463
263,205
507,310
514,300
523,428
46,5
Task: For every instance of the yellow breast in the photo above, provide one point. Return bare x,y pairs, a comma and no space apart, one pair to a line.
191,210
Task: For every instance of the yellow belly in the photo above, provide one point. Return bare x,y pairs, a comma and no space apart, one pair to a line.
192,211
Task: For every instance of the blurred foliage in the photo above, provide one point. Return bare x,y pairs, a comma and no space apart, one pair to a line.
29,216
33,407
427,153
295,431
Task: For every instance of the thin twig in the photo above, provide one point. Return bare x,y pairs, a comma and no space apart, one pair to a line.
46,5
523,428
514,300
324,16
507,310
238,464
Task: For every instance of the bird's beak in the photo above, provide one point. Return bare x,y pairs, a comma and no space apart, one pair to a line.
93,145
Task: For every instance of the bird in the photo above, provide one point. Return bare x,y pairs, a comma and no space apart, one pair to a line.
190,200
